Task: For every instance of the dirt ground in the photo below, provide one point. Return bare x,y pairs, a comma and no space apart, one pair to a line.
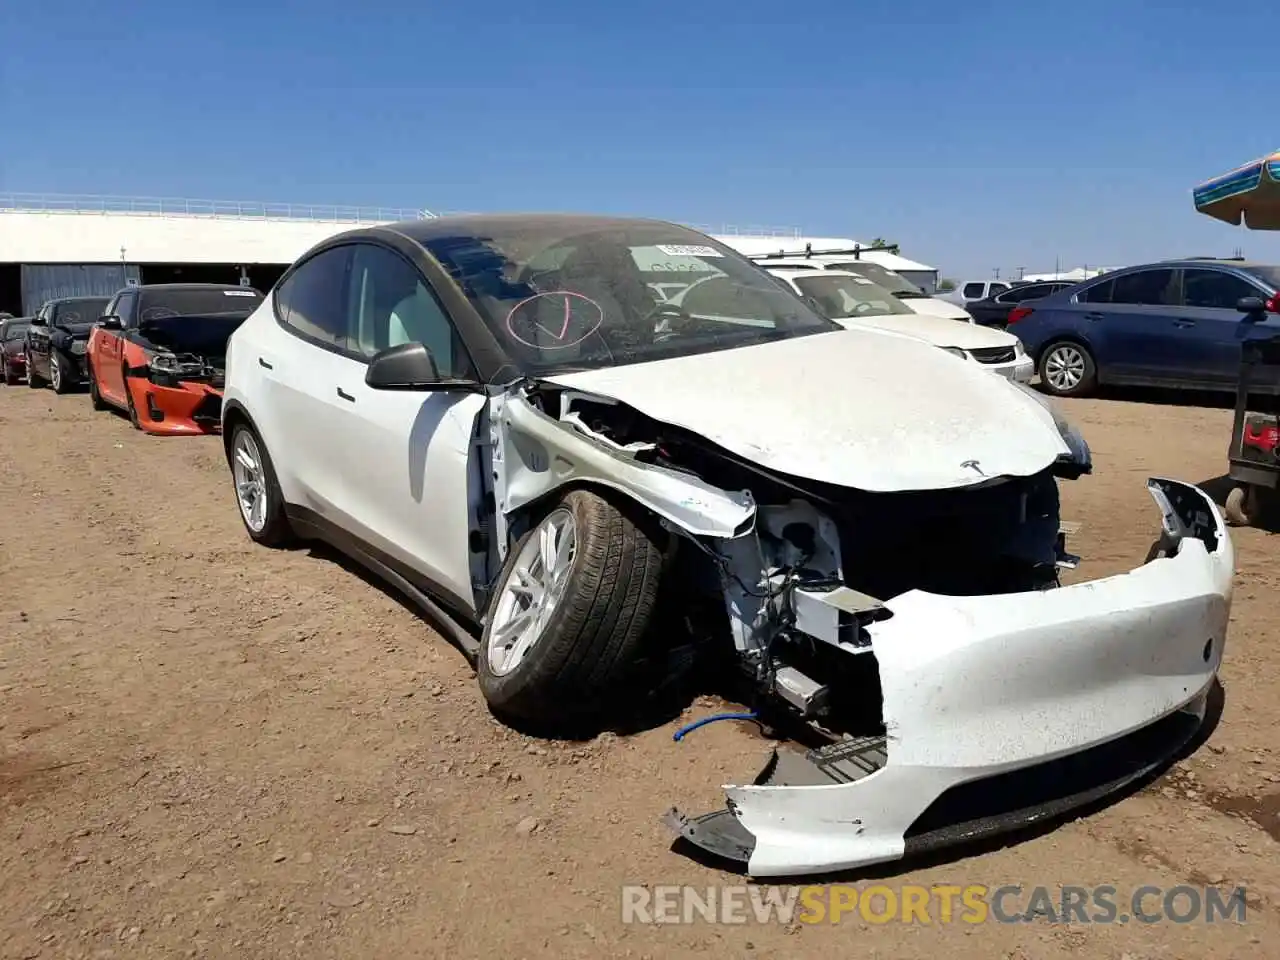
211,749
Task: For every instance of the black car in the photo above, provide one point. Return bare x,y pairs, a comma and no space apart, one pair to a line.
994,311
56,342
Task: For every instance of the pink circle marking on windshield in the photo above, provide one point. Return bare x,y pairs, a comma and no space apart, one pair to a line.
565,330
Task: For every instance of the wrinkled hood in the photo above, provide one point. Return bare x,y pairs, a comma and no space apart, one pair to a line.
856,408
933,307
934,330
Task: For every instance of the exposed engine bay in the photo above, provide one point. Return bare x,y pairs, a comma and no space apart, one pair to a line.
810,564
187,348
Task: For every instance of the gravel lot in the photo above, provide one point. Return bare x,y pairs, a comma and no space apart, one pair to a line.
211,749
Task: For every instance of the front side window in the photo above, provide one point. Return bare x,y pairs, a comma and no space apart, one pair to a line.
560,295
1215,289
973,291
840,297
389,304
1147,288
310,300
124,309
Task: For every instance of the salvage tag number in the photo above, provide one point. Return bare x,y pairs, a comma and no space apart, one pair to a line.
682,250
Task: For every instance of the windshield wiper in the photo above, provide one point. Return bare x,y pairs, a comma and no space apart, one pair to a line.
910,295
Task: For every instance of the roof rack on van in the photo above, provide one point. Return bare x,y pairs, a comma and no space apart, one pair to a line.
856,251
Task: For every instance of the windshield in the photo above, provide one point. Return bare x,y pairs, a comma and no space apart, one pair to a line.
158,303
841,297
14,329
87,310
559,298
895,283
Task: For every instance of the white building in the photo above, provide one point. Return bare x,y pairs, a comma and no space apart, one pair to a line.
85,246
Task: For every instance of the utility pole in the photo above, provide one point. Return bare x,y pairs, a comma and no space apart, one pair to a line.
997,273
1021,272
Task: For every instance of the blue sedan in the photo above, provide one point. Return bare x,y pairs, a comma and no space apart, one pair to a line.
1178,323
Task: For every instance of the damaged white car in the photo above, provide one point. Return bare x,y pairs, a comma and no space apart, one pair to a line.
501,416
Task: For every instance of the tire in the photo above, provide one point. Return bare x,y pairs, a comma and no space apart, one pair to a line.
34,380
1241,507
588,626
58,373
128,399
95,398
1067,369
273,530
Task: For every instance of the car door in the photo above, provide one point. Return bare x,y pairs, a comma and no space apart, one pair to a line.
410,456
108,347
300,359
1129,321
1210,326
38,338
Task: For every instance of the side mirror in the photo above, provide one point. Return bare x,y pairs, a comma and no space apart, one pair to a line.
1254,308
409,366
38,322
111,322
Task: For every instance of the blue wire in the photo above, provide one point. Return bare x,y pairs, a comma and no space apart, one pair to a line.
690,727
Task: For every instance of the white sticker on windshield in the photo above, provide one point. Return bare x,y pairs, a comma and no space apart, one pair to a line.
681,250
238,293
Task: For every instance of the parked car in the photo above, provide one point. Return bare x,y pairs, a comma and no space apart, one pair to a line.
994,311
56,342
1176,324
13,341
916,299
499,417
970,291
159,353
853,301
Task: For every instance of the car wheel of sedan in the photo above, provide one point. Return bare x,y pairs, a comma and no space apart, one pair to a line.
58,373
95,396
1067,369
569,615
34,380
257,490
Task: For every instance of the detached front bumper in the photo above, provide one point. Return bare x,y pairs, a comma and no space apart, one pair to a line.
191,408
1001,710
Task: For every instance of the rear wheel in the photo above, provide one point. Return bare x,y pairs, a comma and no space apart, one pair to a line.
1067,369
569,615
257,490
95,397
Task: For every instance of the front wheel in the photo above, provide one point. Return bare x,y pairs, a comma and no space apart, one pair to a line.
569,615
1067,369
59,373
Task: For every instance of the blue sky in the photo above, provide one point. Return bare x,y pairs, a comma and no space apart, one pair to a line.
978,135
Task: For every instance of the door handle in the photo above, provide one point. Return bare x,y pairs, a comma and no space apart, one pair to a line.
346,396
1184,323
263,363
1093,315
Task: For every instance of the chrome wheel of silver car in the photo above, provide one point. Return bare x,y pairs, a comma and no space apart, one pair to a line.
1064,367
532,591
250,481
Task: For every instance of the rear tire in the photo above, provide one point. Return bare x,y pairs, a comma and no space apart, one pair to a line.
1067,369
251,466
95,397
584,620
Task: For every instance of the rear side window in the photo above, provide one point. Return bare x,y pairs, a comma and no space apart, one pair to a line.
1098,293
1147,288
998,288
311,301
1215,289
972,290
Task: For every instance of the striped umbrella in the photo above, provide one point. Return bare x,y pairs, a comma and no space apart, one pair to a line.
1248,195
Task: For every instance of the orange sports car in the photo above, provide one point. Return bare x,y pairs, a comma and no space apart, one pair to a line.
159,352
